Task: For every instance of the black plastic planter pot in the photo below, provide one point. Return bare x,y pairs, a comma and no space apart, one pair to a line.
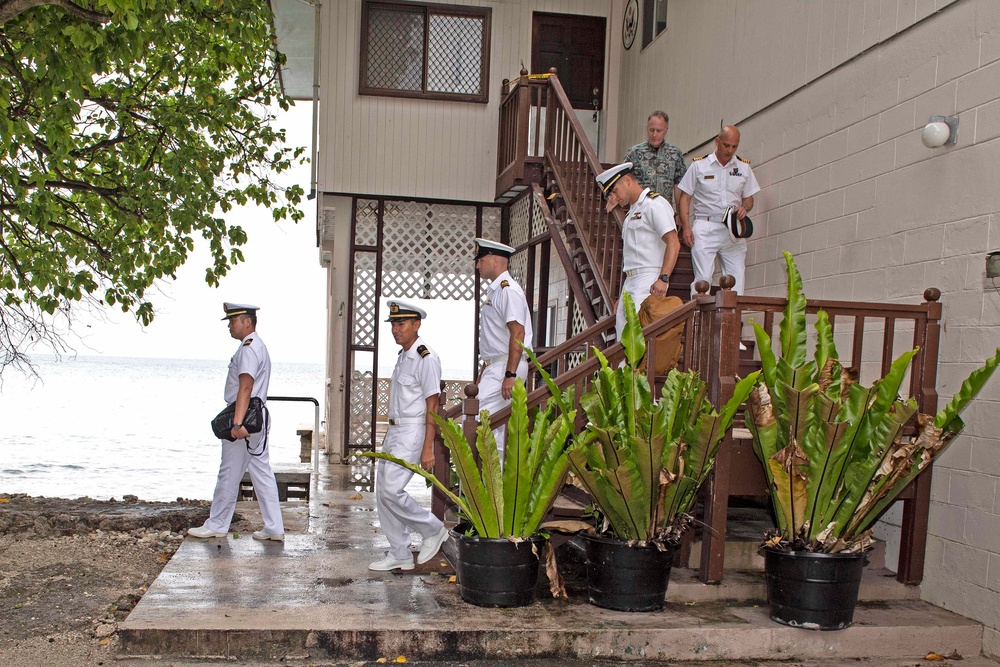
497,572
626,578
809,590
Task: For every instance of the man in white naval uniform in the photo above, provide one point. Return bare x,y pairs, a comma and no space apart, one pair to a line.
649,238
504,329
413,396
249,375
715,183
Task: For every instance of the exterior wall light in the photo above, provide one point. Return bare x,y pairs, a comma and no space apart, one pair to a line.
993,264
940,131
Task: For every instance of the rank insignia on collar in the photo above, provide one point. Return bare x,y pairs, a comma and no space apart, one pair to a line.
636,216
504,283
422,350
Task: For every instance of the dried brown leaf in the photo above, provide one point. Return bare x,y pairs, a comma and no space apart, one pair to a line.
556,585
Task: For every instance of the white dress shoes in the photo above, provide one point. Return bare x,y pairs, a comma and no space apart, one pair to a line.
432,545
261,535
204,533
390,563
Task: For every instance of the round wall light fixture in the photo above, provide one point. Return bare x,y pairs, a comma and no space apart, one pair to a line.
940,131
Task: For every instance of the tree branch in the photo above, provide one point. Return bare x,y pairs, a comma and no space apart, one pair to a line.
11,8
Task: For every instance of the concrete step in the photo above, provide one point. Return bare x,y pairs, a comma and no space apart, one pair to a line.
743,554
313,598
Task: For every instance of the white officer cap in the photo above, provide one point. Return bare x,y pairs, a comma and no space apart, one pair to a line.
486,247
234,309
400,310
607,179
738,229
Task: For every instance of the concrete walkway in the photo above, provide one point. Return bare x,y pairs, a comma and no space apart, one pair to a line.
313,598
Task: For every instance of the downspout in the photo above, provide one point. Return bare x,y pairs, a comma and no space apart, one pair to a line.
314,171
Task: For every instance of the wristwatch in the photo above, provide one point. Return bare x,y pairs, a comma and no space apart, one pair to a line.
509,374
236,425
665,277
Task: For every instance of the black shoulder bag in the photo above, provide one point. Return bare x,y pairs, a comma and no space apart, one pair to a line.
253,420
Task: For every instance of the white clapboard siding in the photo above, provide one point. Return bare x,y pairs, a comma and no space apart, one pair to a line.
419,148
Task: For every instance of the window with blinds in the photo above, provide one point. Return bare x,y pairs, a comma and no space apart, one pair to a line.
429,51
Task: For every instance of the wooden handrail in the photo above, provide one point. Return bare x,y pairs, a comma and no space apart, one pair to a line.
574,166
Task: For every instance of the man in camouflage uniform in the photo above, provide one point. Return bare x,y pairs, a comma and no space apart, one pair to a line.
656,164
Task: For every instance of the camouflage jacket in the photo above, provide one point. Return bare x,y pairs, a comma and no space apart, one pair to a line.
658,169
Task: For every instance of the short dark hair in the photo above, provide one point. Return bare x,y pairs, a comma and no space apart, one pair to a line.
253,317
659,114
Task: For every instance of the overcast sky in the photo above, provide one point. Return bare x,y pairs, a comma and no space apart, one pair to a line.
281,275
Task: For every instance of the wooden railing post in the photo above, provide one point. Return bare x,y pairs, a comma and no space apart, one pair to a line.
913,528
726,344
442,462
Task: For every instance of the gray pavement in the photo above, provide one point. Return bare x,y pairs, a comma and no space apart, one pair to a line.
312,601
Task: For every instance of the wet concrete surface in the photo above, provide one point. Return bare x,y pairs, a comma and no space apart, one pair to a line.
312,598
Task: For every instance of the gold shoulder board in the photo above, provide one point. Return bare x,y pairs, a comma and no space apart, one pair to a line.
422,350
695,159
743,159
653,195
247,341
504,283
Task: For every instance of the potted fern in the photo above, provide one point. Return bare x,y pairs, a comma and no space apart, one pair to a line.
500,541
642,460
835,457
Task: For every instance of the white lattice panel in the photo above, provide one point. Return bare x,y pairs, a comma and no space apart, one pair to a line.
538,223
491,223
366,222
360,434
364,296
427,250
520,221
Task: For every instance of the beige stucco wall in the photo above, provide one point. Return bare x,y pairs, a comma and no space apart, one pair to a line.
419,148
833,131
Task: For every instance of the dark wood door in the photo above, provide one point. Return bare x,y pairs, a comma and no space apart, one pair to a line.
574,45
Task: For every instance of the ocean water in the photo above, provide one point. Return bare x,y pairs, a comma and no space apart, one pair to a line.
105,427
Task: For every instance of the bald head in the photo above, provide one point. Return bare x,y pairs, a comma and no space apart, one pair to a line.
726,144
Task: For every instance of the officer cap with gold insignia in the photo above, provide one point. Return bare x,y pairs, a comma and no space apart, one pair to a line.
486,247
738,229
607,179
234,309
400,310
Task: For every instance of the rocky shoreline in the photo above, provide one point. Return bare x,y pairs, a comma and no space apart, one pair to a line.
71,570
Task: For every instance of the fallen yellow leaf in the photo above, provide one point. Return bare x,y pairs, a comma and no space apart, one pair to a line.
452,579
4,500
105,641
401,658
933,656
382,661
356,496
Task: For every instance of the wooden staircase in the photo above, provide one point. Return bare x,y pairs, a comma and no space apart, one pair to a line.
587,240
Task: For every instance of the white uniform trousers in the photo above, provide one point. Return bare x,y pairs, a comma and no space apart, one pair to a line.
398,512
711,239
235,461
490,397
637,285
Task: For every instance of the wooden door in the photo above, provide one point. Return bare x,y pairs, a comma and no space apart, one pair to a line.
574,45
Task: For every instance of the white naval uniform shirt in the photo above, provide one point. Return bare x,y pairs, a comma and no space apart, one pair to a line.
647,220
414,379
251,358
505,302
714,187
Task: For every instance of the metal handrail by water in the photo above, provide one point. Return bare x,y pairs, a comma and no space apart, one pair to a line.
315,438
